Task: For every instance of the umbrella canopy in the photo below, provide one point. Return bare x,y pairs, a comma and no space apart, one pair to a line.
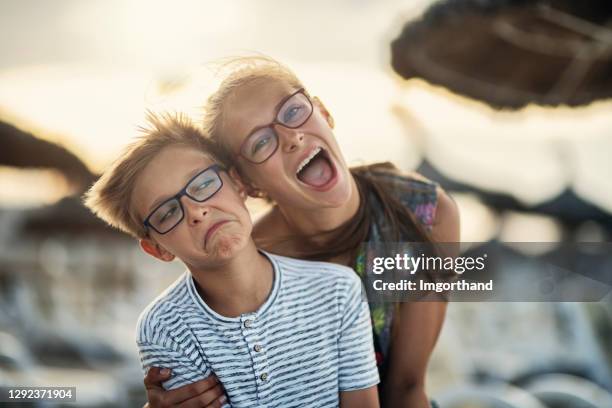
509,53
21,149
24,150
567,207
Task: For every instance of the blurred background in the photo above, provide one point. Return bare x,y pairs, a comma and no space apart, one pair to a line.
505,103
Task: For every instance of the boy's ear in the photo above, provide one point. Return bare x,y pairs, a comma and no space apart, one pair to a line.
241,186
244,186
330,119
155,250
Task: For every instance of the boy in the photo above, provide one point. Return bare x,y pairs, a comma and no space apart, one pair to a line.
275,331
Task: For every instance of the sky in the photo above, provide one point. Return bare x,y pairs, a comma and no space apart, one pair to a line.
82,73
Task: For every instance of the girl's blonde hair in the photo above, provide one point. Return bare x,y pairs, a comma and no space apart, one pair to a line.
238,72
347,238
110,198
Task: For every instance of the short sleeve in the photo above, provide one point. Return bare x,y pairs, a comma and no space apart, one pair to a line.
185,369
357,362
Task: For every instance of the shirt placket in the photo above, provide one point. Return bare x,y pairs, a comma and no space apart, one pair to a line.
251,332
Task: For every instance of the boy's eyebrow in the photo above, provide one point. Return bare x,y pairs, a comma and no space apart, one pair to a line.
162,199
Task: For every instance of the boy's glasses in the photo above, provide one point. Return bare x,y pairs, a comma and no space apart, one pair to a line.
200,188
262,143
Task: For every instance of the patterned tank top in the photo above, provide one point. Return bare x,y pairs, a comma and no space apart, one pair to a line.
420,197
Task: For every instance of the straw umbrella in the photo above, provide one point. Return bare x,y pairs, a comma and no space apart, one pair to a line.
509,53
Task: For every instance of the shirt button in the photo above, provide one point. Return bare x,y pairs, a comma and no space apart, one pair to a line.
248,323
257,348
264,376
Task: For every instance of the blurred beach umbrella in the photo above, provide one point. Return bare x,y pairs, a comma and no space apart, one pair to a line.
509,53
567,207
24,150
68,216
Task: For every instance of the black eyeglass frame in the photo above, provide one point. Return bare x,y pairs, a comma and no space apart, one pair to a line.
277,122
215,167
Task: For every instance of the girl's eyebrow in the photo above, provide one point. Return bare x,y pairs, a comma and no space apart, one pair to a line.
276,110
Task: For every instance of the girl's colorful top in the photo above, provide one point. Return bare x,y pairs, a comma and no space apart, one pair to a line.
420,197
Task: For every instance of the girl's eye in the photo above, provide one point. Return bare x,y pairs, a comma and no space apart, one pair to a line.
291,113
260,144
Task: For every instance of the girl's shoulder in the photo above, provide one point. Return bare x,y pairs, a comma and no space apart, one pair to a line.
269,220
419,194
400,180
271,233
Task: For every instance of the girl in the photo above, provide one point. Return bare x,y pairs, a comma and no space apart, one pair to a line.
281,143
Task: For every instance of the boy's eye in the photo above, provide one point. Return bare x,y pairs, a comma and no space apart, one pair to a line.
168,214
204,185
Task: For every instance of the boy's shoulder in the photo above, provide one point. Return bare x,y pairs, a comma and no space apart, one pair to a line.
169,304
314,270
324,284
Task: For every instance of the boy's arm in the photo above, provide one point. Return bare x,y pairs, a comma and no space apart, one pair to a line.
357,371
191,382
185,369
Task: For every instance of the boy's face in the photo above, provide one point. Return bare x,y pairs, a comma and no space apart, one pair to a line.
211,232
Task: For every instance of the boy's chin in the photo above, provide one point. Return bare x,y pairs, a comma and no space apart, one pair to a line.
226,247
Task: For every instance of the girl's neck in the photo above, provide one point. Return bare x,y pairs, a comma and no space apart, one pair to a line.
312,222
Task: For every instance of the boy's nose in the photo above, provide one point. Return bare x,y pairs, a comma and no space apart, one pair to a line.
195,212
290,139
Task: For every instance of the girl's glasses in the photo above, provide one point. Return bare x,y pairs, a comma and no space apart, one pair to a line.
262,143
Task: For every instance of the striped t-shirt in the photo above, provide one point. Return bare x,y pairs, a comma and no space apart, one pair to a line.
310,339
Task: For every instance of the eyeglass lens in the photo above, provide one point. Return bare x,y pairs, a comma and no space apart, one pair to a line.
170,213
263,143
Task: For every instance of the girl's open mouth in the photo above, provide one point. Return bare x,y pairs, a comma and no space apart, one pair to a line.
317,170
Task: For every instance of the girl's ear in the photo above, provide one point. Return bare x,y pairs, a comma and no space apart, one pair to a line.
319,105
155,250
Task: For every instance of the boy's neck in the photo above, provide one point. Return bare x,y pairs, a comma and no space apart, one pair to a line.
240,286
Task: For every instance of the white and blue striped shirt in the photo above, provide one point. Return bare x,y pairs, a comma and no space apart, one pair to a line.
310,339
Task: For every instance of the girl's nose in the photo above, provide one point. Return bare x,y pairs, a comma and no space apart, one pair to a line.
290,139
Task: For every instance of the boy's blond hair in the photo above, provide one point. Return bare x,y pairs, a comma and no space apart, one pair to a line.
110,198
241,71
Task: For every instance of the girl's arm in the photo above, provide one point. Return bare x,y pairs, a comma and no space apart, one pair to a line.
366,398
206,393
417,326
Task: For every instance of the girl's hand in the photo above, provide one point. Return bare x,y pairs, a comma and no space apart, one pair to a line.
207,393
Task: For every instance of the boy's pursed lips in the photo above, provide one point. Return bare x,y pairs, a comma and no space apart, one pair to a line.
212,229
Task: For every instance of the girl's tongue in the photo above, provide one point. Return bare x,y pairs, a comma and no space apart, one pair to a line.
317,172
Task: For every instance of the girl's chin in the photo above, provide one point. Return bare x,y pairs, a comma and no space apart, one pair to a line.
335,197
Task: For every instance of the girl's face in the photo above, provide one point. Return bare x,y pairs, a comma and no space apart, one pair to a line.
307,170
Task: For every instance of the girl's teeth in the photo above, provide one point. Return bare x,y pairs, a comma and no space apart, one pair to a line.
308,159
